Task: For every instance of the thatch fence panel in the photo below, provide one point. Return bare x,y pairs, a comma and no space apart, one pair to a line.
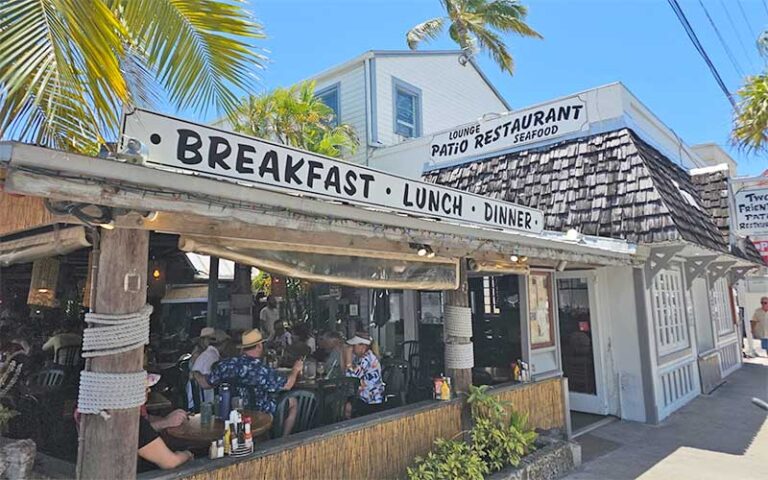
18,213
542,401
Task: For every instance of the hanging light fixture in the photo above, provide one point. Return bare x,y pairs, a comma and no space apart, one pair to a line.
42,286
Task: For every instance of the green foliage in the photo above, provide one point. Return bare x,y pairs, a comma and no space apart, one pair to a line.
68,67
295,116
450,459
500,437
477,25
750,129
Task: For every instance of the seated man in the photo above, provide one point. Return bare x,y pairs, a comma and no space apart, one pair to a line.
366,367
332,344
208,349
255,381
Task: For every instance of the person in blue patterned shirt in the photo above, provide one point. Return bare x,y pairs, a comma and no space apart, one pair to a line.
366,367
255,381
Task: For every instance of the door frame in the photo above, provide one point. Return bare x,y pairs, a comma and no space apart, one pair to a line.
582,402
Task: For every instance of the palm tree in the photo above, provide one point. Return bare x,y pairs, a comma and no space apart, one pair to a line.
750,126
69,67
477,24
295,116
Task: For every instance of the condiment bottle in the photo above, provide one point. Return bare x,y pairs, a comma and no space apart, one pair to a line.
219,449
438,387
445,390
233,436
213,450
248,437
227,438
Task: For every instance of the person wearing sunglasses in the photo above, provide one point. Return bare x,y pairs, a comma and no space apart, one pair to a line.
760,324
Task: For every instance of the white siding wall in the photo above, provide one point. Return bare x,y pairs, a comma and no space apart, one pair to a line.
452,94
352,93
623,373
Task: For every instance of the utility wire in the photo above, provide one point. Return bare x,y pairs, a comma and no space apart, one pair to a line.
738,36
728,51
697,44
746,20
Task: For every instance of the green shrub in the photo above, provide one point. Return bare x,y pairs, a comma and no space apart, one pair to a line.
500,437
450,459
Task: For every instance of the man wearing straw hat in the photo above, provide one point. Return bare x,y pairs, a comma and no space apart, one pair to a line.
255,381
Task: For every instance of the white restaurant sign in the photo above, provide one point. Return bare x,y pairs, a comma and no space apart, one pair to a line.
184,146
750,204
512,129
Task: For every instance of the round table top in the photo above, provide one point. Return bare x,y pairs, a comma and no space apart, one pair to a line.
196,436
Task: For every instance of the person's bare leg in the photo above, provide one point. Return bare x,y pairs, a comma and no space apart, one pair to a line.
290,420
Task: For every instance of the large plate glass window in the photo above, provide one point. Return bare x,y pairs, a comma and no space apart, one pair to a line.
540,309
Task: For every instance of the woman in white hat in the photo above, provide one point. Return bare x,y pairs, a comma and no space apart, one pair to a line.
365,366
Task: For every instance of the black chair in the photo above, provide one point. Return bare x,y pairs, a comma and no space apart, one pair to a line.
334,394
396,375
68,356
51,378
305,417
408,349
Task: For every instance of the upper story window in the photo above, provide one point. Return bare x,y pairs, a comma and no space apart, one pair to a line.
407,109
330,97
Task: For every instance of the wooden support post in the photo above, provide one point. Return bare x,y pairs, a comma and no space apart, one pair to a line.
107,447
213,287
461,378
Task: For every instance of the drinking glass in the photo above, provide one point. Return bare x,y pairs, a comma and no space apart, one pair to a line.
206,414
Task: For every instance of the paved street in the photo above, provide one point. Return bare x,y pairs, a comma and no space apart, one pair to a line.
719,436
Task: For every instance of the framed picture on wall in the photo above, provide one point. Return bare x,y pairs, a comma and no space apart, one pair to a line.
540,309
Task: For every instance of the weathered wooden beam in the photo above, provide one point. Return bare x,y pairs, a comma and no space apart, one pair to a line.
323,218
718,270
108,446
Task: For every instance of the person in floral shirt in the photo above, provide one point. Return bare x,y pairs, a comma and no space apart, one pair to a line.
366,367
255,381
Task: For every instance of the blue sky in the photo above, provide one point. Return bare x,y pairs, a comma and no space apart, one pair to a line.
586,43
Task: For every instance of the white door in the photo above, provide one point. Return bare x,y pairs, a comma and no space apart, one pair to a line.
580,342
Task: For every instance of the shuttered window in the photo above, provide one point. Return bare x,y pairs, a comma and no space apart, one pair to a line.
720,306
670,320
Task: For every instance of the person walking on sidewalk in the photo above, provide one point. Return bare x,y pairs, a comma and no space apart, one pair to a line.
760,324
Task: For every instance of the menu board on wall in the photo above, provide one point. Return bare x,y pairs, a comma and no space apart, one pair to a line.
540,309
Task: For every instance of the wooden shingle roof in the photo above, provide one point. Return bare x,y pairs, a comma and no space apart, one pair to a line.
611,184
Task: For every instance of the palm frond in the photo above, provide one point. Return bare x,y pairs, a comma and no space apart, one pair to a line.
424,31
494,45
750,129
200,48
508,16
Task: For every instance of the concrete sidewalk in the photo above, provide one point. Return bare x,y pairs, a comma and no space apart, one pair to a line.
717,436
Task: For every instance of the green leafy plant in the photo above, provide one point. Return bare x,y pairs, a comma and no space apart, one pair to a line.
500,435
450,459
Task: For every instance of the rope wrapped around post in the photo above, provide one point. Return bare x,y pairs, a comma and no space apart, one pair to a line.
459,355
120,333
458,321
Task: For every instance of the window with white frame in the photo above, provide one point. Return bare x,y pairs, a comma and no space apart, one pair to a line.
720,304
407,109
669,313
330,97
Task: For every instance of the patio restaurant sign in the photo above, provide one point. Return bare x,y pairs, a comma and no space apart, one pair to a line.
183,146
750,201
543,122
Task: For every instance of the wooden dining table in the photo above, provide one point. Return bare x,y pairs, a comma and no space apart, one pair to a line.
194,436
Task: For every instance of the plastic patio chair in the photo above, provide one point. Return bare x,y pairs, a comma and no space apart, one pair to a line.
305,418
395,375
334,394
68,356
52,377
